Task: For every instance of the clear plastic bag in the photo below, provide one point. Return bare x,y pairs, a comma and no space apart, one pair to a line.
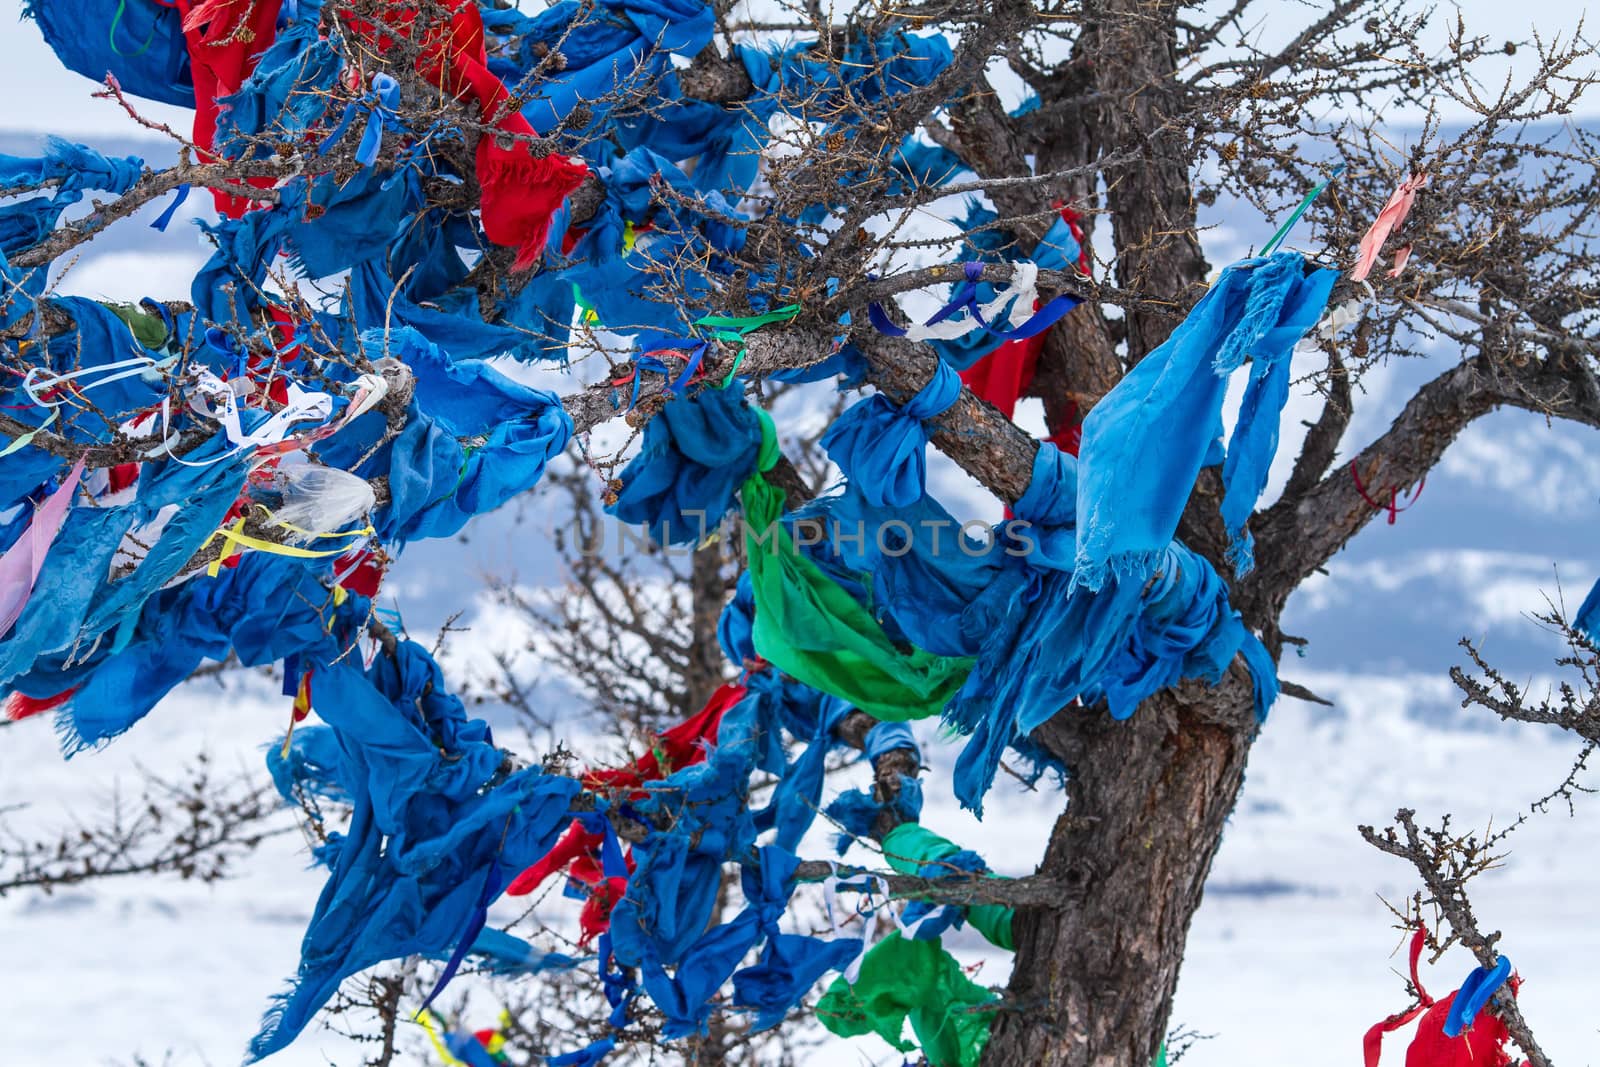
317,501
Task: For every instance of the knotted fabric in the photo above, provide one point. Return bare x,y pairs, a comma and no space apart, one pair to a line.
902,978
882,448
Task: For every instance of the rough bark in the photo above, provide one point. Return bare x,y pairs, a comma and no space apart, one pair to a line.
1093,980
706,592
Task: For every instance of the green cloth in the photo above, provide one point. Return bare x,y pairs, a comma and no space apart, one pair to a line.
911,845
919,979
812,630
146,328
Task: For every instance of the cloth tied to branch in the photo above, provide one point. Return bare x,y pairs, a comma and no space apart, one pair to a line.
881,446
810,628
419,862
1145,442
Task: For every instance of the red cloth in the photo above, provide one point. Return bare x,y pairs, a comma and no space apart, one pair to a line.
362,572
578,852
520,191
225,38
121,477
19,706
1481,1045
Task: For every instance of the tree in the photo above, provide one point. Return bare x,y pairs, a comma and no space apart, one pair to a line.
707,229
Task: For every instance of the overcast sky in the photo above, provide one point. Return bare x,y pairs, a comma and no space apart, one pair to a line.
39,95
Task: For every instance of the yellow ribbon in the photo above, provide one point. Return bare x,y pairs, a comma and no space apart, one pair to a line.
425,1017
233,536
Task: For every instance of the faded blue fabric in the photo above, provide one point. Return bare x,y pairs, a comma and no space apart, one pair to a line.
1040,640
229,286
1185,629
856,811
613,45
788,966
886,737
74,168
263,609
433,300
84,602
860,76
147,54
633,184
882,448
1144,443
508,954
355,221
438,478
677,873
737,622
433,817
798,796
696,453
380,103
1276,329
23,224
309,768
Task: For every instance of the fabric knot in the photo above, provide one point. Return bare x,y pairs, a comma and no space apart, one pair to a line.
882,448
380,104
937,397
1051,498
888,737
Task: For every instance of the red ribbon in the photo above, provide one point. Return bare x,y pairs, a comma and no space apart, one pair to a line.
1392,507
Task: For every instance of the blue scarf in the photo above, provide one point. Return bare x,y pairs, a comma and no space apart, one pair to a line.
1144,443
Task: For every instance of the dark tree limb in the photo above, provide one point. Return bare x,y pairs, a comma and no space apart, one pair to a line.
1296,536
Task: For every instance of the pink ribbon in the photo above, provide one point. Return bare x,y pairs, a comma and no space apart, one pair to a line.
20,566
1392,215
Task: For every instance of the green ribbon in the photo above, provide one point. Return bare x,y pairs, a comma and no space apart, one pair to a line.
737,327
1316,191
910,846
918,980
122,6
27,438
812,630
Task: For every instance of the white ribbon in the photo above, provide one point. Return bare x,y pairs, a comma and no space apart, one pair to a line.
1020,295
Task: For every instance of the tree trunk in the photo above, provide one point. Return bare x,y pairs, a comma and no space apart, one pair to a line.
1146,800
